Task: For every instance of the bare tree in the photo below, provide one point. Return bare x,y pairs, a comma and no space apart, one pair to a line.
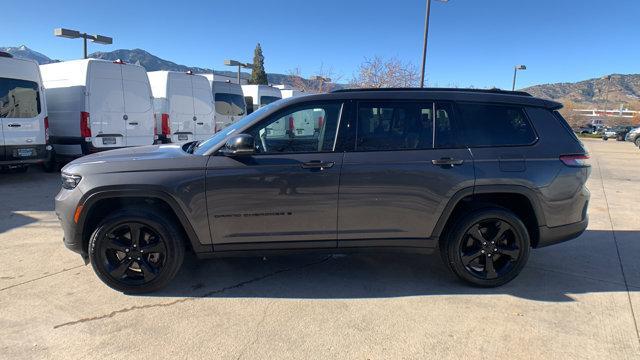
378,72
297,81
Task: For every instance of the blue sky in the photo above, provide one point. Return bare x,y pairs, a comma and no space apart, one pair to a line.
471,42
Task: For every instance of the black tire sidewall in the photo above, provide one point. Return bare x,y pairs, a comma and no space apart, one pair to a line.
451,248
167,229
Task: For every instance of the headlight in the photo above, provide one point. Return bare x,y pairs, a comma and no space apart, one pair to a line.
69,181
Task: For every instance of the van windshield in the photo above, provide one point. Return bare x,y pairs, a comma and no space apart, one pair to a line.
266,100
19,98
230,104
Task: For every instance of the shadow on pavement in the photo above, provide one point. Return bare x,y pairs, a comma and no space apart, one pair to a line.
585,265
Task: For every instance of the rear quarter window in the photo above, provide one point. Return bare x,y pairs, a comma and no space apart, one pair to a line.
19,98
496,125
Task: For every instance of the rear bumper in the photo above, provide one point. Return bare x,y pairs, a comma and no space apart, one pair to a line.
558,234
9,154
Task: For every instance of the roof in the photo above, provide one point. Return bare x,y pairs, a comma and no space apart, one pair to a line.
442,94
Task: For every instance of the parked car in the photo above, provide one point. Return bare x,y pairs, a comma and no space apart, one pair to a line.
634,136
97,105
183,106
482,176
24,126
617,132
229,100
257,96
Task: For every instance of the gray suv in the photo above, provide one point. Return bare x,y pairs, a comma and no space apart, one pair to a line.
482,176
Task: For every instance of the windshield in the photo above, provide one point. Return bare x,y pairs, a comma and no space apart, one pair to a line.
230,104
266,100
206,145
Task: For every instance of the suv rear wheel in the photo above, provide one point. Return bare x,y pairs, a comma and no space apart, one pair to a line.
488,247
136,250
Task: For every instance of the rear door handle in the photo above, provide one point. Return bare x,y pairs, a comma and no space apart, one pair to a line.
14,125
447,161
316,164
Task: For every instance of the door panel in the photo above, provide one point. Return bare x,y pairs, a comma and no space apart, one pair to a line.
106,103
398,194
272,198
138,106
203,108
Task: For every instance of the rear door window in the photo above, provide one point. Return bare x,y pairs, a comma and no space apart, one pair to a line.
496,125
266,100
394,126
229,104
19,98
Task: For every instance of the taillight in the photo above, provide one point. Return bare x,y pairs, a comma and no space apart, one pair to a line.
46,129
166,130
85,125
576,160
320,122
292,125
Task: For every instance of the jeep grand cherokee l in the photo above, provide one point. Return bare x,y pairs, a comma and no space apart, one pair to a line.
482,176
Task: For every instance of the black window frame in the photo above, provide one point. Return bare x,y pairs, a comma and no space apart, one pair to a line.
300,106
523,110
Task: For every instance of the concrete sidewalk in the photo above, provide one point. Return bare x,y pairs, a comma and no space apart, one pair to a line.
579,299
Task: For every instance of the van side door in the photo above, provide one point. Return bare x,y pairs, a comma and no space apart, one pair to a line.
399,177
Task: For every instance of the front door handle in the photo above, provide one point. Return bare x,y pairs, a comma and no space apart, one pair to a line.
316,164
447,162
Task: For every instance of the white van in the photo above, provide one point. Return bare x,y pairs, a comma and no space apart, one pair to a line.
289,92
229,100
257,96
24,133
98,105
183,106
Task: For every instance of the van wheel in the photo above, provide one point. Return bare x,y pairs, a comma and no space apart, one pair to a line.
487,248
51,165
136,250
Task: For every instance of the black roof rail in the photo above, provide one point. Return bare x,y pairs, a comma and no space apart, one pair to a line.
5,54
483,91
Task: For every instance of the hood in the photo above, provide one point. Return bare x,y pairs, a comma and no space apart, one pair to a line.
142,158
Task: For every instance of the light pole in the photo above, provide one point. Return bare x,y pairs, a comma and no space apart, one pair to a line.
322,80
74,34
515,73
426,37
606,94
239,65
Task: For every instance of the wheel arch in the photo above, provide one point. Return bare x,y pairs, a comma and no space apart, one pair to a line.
104,199
521,200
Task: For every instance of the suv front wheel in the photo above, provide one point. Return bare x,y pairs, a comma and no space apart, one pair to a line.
136,250
488,247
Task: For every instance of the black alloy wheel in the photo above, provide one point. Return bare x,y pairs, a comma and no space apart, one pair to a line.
487,247
136,250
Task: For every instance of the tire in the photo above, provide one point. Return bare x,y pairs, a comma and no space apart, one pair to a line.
637,141
467,255
51,165
123,265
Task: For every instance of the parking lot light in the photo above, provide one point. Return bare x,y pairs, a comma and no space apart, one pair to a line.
239,65
515,73
75,34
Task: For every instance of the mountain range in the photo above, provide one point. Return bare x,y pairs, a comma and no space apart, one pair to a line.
617,89
151,63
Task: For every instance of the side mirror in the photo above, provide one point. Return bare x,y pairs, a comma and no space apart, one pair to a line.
239,145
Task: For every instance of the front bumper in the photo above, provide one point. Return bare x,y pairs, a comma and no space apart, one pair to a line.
66,203
558,234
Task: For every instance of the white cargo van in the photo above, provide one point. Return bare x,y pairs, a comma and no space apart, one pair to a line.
289,92
183,106
24,133
97,105
229,100
257,96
